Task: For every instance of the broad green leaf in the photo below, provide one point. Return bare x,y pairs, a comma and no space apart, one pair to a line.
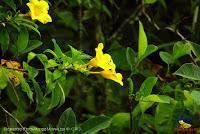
180,49
156,98
57,49
3,78
147,86
196,96
166,57
25,86
150,49
39,95
94,125
149,1
55,98
189,70
195,48
142,41
67,120
32,72
130,56
62,93
4,39
32,44
164,118
51,63
120,123
31,56
22,41
11,4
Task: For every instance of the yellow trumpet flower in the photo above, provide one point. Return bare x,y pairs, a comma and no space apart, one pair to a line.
102,60
111,74
39,11
105,62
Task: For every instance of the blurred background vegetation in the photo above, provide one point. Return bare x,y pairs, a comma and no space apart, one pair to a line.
85,23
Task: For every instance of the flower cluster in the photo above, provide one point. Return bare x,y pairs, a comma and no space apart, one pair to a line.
39,11
105,62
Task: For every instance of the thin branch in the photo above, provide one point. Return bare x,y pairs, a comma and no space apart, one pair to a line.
13,118
126,21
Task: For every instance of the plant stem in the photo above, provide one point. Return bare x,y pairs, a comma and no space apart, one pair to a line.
13,118
130,97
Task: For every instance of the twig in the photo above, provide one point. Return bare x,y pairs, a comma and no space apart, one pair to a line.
13,118
158,28
124,23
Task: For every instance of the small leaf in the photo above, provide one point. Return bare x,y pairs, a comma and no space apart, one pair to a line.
130,56
31,56
189,70
150,49
149,1
95,124
68,121
32,72
32,44
57,49
3,78
22,41
156,98
4,39
142,41
180,49
147,86
166,57
164,118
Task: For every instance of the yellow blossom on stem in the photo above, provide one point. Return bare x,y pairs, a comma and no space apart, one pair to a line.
102,60
105,62
39,11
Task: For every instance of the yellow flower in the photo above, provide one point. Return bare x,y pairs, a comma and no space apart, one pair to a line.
102,60
39,11
184,125
111,74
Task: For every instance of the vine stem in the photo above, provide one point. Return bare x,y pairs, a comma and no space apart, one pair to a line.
130,97
13,118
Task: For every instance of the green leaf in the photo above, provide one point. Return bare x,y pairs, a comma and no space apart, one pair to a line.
166,57
130,56
39,95
150,49
149,1
31,56
180,49
25,86
189,70
95,124
55,98
32,44
196,96
11,4
57,49
120,123
164,118
4,39
68,121
142,41
3,78
156,98
147,86
32,72
22,41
